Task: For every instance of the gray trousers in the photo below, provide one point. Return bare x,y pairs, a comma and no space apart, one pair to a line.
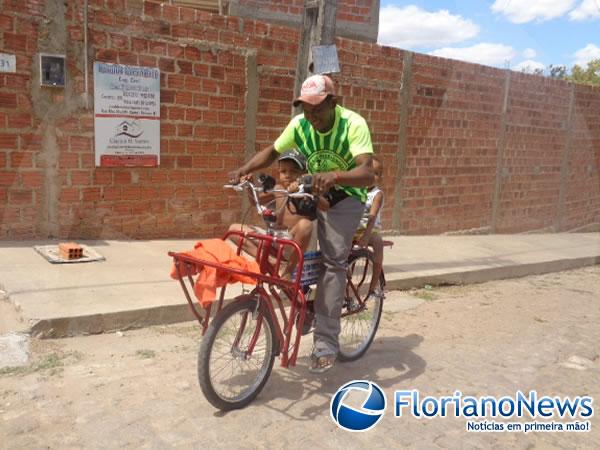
336,227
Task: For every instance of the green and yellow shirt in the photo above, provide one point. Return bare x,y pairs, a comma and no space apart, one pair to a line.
334,150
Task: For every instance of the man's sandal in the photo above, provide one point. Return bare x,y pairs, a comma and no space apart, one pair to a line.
321,364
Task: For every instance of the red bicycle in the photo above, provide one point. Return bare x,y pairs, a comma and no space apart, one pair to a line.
243,336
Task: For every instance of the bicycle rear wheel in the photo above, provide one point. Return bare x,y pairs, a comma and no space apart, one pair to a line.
360,317
231,376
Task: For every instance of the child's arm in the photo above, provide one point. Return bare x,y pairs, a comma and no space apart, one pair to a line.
280,207
265,197
375,208
322,203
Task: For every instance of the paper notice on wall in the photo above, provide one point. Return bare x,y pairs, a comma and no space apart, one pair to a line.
8,63
126,115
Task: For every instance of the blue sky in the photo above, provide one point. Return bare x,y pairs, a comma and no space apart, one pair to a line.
520,34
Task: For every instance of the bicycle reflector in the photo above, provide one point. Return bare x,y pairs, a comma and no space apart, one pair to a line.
269,215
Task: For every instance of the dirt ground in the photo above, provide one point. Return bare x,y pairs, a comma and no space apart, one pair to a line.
139,389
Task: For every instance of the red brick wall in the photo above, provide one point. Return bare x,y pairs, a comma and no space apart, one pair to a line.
357,11
454,127
452,135
21,181
536,141
369,85
583,186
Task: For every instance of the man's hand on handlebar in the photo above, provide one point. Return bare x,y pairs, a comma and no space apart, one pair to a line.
239,176
322,182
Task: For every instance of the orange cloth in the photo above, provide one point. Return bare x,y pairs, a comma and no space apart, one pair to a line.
210,278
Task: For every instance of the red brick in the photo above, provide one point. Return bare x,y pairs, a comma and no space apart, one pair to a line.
107,55
185,130
131,193
119,41
8,100
19,120
80,144
69,195
98,38
111,193
158,48
91,194
122,178
15,42
166,65
128,58
147,61
176,113
152,9
75,33
17,80
8,178
68,161
170,13
33,180
21,160
167,96
139,45
6,23
104,18
8,141
103,177
20,197
80,178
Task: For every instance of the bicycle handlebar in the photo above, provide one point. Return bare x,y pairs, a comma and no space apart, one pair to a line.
247,184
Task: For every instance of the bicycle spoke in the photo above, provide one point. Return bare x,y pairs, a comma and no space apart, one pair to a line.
233,372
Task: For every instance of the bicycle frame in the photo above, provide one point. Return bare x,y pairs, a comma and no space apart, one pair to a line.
265,291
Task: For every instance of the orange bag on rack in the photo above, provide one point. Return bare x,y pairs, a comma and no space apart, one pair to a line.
211,278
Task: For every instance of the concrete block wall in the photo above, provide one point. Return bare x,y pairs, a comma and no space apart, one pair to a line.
465,147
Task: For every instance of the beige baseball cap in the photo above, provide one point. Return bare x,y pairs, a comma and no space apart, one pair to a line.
315,89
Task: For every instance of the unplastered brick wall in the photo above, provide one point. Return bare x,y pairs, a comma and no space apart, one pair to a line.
582,192
465,147
21,179
453,123
536,132
358,11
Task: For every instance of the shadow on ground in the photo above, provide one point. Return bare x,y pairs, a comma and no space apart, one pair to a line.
303,396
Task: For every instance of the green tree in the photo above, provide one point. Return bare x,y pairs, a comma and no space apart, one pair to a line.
589,75
559,72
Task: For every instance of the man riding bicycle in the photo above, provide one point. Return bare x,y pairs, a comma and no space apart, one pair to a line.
336,143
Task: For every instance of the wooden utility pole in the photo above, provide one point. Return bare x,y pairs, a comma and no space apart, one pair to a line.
318,28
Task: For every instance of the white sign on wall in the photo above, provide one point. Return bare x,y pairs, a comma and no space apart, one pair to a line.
8,63
126,115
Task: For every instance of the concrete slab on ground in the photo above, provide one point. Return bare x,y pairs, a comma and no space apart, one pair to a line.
132,287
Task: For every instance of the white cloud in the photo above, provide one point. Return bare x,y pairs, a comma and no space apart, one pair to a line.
588,9
529,66
523,11
411,27
586,54
529,53
484,53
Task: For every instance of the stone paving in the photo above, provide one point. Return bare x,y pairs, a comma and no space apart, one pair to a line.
139,390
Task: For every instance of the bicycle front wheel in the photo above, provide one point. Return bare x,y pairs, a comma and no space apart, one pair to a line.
360,316
236,355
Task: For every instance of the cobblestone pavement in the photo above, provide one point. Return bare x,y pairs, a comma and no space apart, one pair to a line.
139,389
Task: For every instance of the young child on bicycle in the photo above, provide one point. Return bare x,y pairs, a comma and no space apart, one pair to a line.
291,166
368,233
